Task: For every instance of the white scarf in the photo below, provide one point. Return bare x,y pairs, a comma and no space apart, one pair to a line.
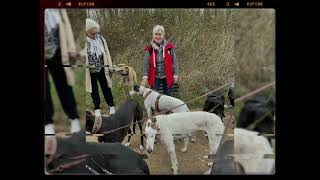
156,47
52,19
96,46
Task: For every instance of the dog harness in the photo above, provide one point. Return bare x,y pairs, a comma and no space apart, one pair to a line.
50,145
149,92
97,125
157,103
75,161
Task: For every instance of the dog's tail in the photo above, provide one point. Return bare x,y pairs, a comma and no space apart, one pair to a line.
134,75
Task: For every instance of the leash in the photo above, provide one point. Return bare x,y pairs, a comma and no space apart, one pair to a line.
236,100
84,66
111,131
258,121
198,97
255,92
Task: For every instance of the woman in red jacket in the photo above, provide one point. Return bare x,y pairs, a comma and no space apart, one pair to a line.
160,62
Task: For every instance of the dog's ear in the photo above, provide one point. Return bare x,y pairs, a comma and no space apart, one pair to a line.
153,123
154,126
136,88
153,119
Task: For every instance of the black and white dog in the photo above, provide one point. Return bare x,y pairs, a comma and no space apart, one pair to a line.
74,156
258,115
154,101
129,112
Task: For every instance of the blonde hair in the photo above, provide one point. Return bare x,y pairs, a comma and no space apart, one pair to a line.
158,28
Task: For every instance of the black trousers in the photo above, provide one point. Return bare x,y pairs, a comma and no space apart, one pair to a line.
106,91
158,82
65,92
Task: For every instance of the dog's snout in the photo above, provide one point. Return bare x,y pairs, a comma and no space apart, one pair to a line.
149,150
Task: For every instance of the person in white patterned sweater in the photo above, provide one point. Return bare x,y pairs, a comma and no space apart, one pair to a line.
98,56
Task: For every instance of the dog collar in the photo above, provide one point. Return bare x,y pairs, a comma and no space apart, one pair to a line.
50,145
50,148
97,125
74,162
149,92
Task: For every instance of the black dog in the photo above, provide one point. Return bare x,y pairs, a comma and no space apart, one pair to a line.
75,156
215,104
257,115
130,111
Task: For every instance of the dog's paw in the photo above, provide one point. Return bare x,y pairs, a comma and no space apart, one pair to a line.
207,172
210,156
183,150
141,148
210,164
127,144
175,171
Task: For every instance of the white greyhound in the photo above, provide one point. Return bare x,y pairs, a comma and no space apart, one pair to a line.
250,152
165,102
182,123
154,101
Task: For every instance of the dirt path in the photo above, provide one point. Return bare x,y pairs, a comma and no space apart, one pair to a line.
190,162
